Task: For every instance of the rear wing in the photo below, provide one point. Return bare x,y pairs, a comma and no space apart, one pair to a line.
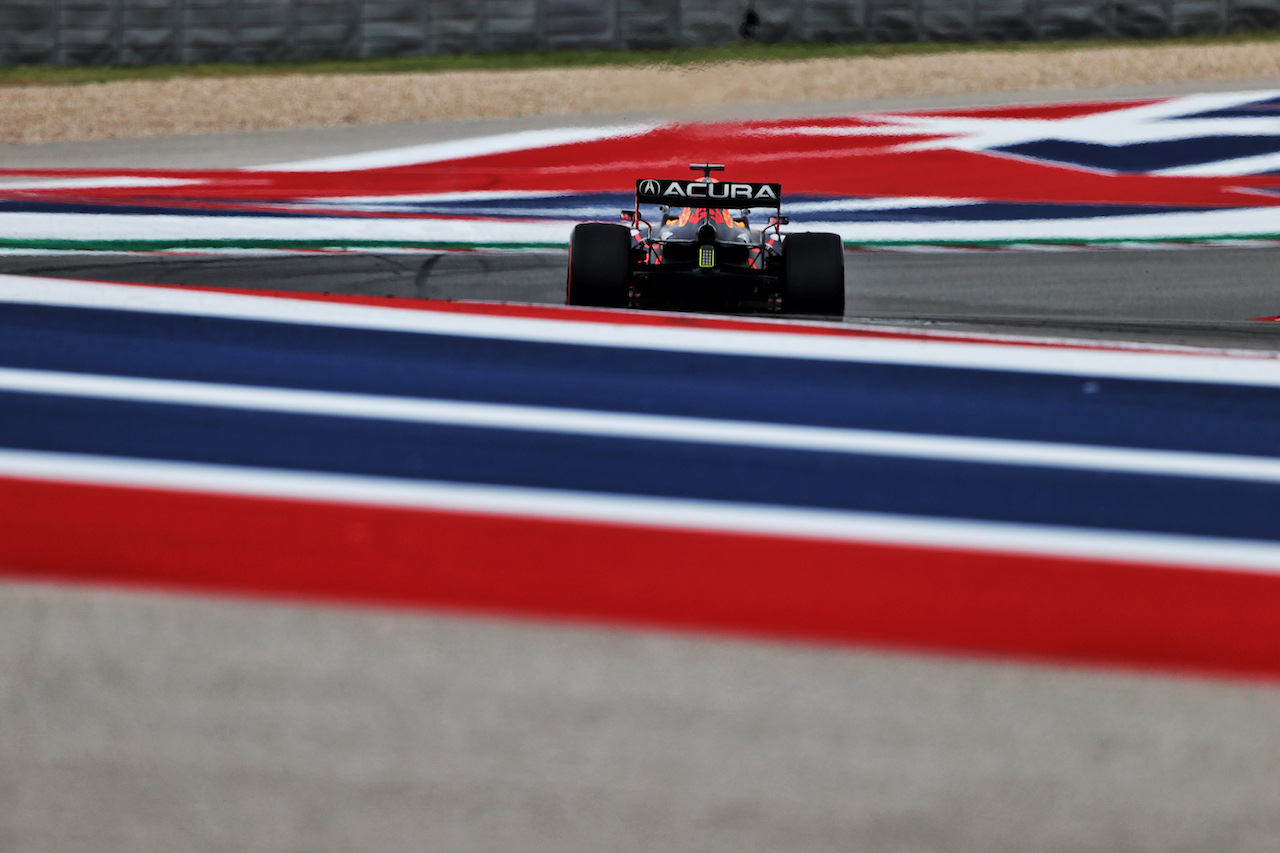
705,193
697,193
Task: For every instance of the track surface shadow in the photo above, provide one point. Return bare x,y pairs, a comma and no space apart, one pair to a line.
1204,296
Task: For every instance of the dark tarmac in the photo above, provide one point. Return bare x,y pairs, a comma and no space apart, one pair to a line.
1196,296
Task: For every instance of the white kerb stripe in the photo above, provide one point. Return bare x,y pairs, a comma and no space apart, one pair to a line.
647,427
711,516
1251,369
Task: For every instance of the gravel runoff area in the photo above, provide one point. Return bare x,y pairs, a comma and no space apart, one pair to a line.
134,109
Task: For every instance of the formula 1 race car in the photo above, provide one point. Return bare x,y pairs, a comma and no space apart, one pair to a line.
702,253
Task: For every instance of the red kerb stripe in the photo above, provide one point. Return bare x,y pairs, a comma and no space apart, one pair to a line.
918,598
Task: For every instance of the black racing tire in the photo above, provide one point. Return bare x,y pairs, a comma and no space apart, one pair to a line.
599,266
813,270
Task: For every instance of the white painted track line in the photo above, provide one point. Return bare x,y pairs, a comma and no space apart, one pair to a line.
648,427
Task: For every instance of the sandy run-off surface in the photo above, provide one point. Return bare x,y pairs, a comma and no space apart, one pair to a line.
132,109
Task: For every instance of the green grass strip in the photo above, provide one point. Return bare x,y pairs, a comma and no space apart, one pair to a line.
740,51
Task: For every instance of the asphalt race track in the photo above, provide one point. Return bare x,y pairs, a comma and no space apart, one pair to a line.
1149,295
133,720
143,721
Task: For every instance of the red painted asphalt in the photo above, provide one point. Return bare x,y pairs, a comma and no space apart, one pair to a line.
1028,607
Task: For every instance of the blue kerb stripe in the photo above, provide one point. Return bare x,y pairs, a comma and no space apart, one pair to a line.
641,467
948,401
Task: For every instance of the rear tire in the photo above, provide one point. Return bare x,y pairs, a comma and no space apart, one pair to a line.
599,266
813,266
